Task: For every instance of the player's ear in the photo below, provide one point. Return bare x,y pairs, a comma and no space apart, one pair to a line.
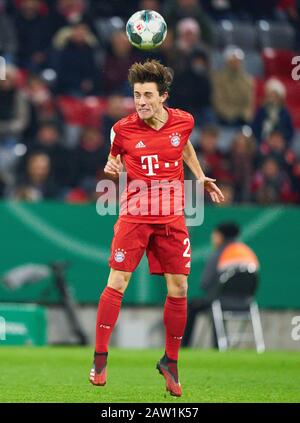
164,96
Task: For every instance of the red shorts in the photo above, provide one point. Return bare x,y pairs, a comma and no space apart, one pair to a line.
167,247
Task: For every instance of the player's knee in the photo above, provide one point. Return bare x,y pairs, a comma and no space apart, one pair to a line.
179,287
119,281
182,290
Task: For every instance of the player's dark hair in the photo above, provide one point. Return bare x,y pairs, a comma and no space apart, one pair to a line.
229,230
151,71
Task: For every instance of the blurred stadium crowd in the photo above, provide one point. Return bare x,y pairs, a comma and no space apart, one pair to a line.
65,86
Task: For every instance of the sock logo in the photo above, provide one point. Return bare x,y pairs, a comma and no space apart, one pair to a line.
177,337
104,326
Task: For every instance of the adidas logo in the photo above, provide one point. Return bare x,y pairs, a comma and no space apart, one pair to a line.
140,144
188,264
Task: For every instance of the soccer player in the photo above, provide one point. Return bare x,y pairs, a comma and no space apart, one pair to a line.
152,144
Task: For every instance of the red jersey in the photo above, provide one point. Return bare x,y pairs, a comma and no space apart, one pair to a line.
153,159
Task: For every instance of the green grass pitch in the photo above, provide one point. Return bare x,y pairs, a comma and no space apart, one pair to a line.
60,374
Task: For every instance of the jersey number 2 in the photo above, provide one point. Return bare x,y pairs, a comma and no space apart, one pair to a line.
187,250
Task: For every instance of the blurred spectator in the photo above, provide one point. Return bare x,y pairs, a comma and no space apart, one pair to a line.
118,60
292,11
64,35
276,146
34,35
150,5
29,115
37,183
271,185
214,163
188,39
228,192
181,9
233,90
166,53
241,158
108,8
273,114
8,38
89,159
219,9
191,89
70,12
14,109
115,111
76,65
41,103
296,178
48,141
227,253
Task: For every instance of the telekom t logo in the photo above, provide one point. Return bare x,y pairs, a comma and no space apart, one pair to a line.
151,164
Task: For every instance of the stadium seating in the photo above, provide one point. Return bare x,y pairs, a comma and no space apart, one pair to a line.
253,62
81,111
240,34
277,62
278,35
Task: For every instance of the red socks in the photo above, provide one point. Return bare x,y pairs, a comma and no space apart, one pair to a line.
175,315
108,312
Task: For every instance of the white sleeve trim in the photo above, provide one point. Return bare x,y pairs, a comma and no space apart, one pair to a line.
112,136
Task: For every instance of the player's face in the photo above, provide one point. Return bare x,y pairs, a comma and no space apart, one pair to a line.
147,100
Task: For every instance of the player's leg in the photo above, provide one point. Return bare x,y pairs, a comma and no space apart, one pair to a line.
175,315
109,307
128,246
169,254
107,315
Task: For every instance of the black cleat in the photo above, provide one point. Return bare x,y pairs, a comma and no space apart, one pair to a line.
168,368
98,373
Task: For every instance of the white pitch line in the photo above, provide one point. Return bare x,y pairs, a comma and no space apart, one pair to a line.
91,252
253,228
60,239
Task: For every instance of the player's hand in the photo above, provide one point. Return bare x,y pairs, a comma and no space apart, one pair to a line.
113,167
215,193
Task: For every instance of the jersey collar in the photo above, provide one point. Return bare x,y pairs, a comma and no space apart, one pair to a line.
167,123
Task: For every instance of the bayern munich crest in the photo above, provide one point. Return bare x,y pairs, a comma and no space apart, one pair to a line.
120,255
175,139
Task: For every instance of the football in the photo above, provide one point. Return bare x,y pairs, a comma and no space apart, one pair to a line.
146,29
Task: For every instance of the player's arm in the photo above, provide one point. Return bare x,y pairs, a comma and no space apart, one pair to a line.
113,167
191,160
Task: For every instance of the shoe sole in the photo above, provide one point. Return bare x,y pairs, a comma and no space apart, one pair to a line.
170,384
